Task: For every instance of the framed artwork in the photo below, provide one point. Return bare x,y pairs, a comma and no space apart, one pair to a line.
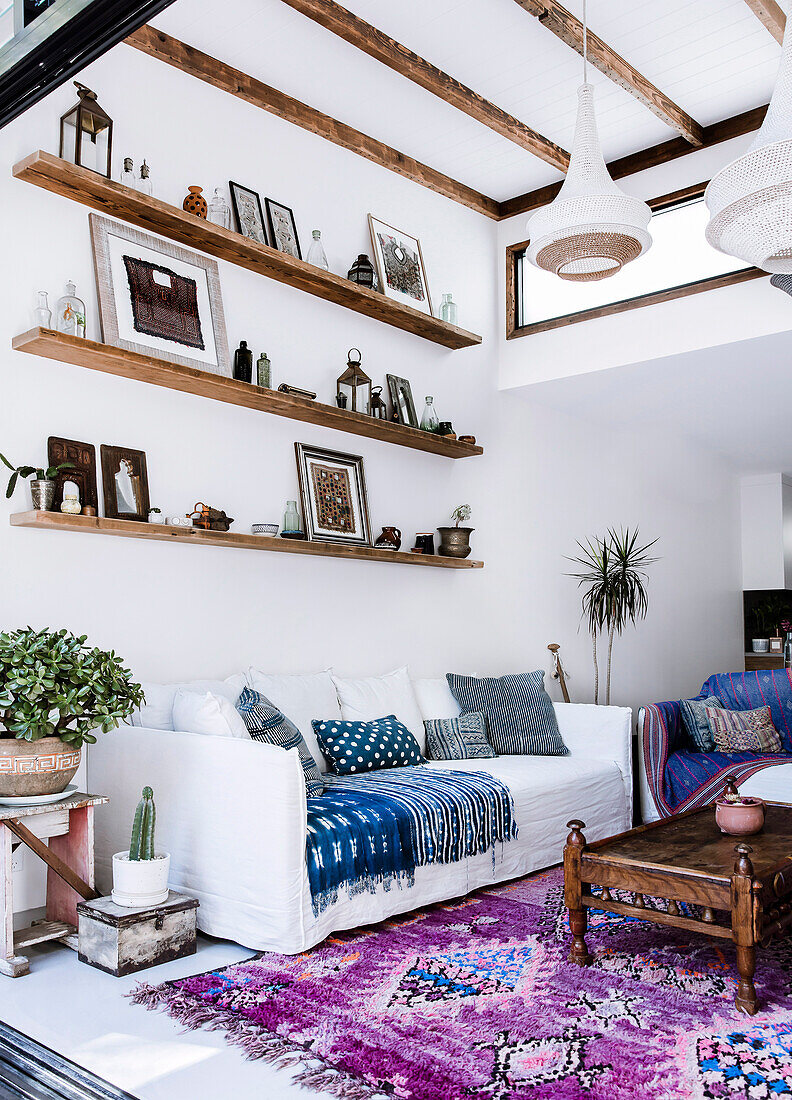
333,491
400,266
125,483
248,213
283,231
158,299
401,397
82,471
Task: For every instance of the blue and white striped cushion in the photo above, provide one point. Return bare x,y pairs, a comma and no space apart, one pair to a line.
265,722
463,738
520,717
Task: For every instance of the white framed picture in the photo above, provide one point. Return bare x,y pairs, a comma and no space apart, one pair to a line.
333,491
157,298
400,266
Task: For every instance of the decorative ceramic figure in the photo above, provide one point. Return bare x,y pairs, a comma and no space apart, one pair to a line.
264,371
143,182
219,212
316,253
448,310
43,311
71,499
70,312
195,203
390,539
243,363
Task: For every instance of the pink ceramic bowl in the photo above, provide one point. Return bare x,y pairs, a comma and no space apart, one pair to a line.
743,816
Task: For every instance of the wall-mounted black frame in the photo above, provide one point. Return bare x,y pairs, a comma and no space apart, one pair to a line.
60,42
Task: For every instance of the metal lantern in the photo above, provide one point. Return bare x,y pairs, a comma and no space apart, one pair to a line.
86,133
379,406
355,385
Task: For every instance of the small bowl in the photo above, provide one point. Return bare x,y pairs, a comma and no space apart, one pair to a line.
740,818
265,528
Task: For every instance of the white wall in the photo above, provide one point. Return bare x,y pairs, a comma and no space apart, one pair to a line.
174,611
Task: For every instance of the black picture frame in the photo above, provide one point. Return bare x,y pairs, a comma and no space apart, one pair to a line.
243,224
401,396
276,210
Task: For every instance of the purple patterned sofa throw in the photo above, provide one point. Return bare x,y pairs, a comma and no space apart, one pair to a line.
682,778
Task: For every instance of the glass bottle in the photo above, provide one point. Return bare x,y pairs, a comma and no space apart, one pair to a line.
70,312
219,211
788,650
127,176
43,311
316,253
144,182
264,371
429,421
448,310
291,518
243,363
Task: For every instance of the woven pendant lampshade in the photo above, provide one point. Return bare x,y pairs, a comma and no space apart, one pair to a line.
750,200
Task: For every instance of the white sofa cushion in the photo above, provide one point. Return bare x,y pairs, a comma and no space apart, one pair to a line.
157,711
373,697
208,714
301,699
435,699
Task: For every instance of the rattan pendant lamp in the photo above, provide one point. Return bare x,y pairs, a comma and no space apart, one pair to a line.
592,228
750,200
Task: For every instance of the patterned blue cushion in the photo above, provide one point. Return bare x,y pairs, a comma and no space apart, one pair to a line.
695,721
354,747
463,738
520,717
266,723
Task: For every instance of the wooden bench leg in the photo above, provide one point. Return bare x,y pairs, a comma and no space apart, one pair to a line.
12,965
76,850
573,894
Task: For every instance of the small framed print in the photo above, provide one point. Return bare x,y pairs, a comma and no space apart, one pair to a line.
125,483
401,397
82,470
282,227
400,266
157,298
333,492
248,213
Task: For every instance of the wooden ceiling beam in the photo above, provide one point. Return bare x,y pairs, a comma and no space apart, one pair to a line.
770,15
728,128
569,29
220,75
345,24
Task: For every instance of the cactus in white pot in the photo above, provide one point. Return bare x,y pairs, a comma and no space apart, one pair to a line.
140,876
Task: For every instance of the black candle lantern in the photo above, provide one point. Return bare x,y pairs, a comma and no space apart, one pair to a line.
379,407
355,385
86,133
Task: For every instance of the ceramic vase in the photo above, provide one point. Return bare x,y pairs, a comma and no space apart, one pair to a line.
195,203
390,539
743,818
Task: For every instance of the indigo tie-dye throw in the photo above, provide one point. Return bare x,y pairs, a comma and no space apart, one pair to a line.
377,828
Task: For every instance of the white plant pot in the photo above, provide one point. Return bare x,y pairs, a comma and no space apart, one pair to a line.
140,883
760,645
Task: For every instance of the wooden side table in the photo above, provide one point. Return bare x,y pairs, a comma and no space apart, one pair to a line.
69,828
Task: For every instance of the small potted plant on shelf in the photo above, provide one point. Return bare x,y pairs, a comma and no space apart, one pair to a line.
42,487
54,691
155,515
140,876
455,541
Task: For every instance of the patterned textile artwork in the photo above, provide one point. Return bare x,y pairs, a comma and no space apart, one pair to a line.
164,304
474,999
402,267
333,496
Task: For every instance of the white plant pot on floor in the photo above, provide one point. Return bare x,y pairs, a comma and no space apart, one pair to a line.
138,883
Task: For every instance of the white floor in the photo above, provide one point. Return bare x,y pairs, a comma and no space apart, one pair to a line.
82,1013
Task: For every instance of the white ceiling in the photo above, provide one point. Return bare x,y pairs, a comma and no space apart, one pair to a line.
713,57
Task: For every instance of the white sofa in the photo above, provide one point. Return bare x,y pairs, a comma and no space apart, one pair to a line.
232,813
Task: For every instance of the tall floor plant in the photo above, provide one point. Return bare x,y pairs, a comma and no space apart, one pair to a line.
614,589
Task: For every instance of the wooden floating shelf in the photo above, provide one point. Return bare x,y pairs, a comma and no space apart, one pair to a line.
132,529
159,372
119,201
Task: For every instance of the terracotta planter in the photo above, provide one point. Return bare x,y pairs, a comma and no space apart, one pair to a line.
742,818
455,541
29,768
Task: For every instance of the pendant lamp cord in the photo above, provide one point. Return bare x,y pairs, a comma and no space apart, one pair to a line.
585,45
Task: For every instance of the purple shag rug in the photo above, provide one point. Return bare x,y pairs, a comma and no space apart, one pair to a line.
475,1000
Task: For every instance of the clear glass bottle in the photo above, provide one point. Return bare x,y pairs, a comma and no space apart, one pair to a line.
127,176
788,650
70,312
316,253
448,310
219,211
264,371
143,182
291,519
429,421
43,312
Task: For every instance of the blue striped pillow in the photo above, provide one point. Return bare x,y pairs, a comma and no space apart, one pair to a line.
463,738
264,722
521,720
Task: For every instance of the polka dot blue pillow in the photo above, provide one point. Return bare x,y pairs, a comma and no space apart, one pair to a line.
355,747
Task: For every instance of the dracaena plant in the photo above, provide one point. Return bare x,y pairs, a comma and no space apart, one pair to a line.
54,685
42,473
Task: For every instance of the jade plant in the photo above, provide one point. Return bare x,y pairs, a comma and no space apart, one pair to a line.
142,844
54,685
42,474
461,514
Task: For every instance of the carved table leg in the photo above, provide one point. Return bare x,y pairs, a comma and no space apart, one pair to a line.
573,894
746,1001
743,929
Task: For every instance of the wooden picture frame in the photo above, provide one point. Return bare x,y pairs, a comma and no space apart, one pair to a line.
248,213
82,471
124,483
158,299
400,266
283,228
401,396
334,498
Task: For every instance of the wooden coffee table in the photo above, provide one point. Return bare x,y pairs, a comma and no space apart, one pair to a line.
744,888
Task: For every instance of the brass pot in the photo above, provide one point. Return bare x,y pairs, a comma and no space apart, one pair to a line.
455,541
30,768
